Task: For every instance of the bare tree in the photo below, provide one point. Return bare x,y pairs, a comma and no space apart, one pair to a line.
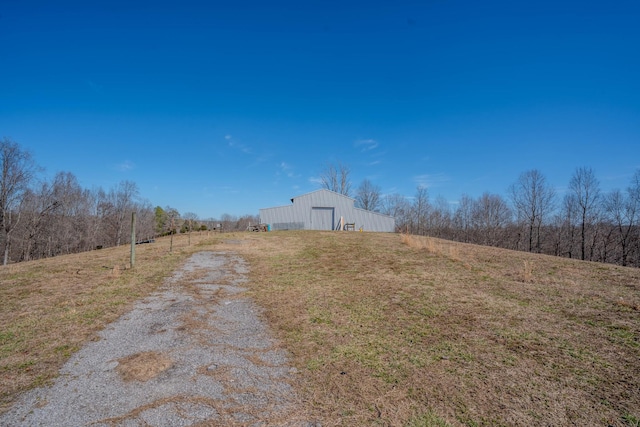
368,196
36,209
120,201
397,206
420,211
533,201
463,218
586,189
440,217
16,172
74,227
569,222
634,194
491,215
145,221
622,211
335,177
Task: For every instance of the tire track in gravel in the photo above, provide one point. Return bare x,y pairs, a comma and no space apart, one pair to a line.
194,354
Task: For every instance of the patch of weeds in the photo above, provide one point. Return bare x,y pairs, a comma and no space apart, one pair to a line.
622,335
319,338
510,360
6,337
393,373
9,342
66,350
428,311
632,420
419,360
428,419
90,315
365,313
319,315
310,252
315,364
26,365
448,350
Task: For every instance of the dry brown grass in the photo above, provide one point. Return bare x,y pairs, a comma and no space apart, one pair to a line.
50,308
143,366
421,333
430,332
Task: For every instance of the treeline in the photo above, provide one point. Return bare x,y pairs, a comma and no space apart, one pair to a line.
42,218
584,223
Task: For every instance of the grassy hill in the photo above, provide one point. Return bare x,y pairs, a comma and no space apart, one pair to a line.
384,329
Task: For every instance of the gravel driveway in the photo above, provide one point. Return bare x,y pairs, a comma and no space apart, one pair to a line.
196,353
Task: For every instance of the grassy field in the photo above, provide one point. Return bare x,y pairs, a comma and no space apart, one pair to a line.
50,308
384,329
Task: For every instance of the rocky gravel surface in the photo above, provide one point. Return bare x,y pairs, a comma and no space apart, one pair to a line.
194,354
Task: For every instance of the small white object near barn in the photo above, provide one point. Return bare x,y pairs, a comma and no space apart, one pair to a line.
325,210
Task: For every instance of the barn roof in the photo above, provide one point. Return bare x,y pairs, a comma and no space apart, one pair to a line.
322,190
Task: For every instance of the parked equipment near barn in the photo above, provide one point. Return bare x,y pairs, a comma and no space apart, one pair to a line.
259,227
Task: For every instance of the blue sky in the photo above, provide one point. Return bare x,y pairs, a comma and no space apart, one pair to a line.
227,107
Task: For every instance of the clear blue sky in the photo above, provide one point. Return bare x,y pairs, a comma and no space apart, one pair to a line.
215,107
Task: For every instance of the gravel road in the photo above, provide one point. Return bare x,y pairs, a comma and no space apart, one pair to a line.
195,353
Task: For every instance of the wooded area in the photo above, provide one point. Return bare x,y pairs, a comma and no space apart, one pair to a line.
583,223
42,218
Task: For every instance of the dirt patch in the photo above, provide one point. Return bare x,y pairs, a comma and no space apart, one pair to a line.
143,366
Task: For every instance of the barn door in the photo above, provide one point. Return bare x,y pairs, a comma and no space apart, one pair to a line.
322,218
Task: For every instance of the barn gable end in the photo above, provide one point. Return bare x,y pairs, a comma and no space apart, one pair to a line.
322,210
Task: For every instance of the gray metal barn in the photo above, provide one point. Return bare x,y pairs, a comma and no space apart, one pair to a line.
323,210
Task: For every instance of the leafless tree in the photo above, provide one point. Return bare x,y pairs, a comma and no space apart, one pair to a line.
586,189
634,194
490,216
397,206
36,211
335,177
533,201
463,218
74,227
622,212
117,206
145,221
420,211
570,220
16,172
368,196
440,218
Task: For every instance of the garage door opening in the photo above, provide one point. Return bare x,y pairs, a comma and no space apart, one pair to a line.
322,218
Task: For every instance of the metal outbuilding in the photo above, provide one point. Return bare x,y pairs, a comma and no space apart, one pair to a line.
325,210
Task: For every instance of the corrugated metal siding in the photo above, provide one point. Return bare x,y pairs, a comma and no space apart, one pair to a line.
281,218
299,214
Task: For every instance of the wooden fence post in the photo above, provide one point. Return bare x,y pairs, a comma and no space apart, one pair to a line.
133,239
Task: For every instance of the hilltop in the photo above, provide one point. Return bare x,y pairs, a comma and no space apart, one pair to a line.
383,329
